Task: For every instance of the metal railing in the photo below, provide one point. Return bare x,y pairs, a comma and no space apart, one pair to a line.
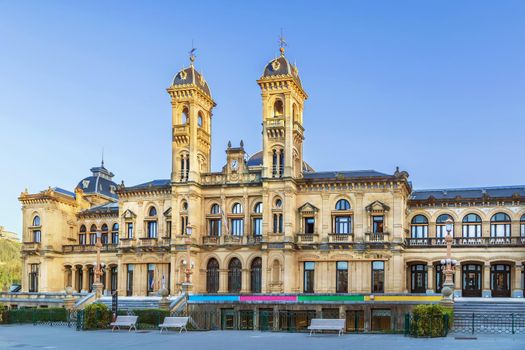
466,242
88,248
505,323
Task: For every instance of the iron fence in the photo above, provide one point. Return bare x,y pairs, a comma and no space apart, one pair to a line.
503,323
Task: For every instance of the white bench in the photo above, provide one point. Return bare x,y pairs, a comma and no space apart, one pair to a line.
327,324
125,321
174,322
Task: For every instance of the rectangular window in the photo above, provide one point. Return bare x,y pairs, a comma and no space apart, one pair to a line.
378,276
151,277
343,225
237,227
129,281
183,224
471,230
500,230
381,320
257,226
33,277
92,238
419,231
129,229
104,239
214,227
168,229
82,239
309,270
309,225
377,223
114,237
114,279
277,223
152,229
522,230
36,236
341,277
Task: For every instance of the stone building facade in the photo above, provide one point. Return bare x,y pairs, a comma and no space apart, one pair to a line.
269,224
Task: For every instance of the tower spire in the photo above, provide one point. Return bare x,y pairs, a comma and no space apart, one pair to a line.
192,53
282,43
102,163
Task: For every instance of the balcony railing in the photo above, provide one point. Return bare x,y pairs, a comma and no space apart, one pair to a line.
376,236
211,240
233,240
340,237
148,242
307,238
126,243
31,246
88,248
466,242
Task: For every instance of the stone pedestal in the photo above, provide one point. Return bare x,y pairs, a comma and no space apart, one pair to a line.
98,287
69,300
448,294
164,302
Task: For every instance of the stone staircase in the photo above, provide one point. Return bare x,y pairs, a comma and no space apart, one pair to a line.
489,315
129,303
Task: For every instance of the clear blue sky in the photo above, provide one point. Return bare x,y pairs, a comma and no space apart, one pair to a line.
436,87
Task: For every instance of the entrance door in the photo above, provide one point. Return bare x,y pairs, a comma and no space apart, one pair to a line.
228,319
500,280
418,274
471,280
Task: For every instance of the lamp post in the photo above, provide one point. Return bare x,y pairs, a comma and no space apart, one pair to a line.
187,262
97,285
449,264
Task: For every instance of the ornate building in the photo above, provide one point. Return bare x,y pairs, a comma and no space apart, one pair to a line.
269,224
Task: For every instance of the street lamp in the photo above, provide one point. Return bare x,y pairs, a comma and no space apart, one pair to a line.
98,268
448,286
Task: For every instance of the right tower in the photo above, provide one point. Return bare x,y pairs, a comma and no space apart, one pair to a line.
282,112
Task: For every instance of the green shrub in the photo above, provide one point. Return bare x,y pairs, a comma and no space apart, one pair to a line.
97,316
3,313
430,321
34,315
148,318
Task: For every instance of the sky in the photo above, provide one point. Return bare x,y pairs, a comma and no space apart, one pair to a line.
434,87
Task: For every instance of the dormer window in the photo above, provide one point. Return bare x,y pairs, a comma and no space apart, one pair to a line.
85,183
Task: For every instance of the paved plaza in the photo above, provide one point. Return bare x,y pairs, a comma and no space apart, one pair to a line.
60,337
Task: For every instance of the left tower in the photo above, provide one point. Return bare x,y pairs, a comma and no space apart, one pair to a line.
191,105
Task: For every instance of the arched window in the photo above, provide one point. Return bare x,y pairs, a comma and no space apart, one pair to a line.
342,204
234,276
237,208
36,231
419,227
212,276
278,108
184,206
256,275
151,223
152,211
471,227
104,231
278,203
82,235
278,216
522,226
500,225
114,234
215,209
199,120
93,234
276,272
184,116
36,221
441,226
257,209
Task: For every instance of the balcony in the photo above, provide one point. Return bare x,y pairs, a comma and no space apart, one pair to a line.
88,248
253,240
307,238
181,133
126,243
233,240
486,242
376,236
211,240
30,247
275,127
340,238
148,242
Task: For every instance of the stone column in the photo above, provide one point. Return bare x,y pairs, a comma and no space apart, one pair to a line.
74,278
458,281
85,279
223,281
486,292
245,280
430,278
108,279
517,291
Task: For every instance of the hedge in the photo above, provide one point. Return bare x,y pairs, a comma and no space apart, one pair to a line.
97,316
430,321
34,315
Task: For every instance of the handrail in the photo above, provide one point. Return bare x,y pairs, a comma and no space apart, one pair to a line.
175,304
80,304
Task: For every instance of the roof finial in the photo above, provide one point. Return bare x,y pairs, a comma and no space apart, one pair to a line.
102,157
192,53
282,43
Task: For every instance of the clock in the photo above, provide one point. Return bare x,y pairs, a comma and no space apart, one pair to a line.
235,164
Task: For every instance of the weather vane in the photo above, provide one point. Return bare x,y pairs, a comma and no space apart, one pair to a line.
192,53
282,43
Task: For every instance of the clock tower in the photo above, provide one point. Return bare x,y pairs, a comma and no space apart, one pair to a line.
235,161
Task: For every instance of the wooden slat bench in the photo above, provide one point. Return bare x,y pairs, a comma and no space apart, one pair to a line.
125,321
174,322
327,324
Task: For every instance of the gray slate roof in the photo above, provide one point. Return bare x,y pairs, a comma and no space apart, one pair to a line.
111,207
65,192
154,183
346,174
191,76
283,68
473,192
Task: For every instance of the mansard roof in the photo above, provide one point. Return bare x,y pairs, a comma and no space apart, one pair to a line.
344,174
469,193
150,184
108,208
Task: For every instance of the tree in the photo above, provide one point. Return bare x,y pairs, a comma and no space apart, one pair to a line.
10,263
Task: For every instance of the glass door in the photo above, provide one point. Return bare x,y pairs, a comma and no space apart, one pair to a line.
471,286
500,280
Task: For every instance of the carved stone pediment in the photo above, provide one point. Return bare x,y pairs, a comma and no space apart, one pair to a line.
167,213
308,208
377,207
128,214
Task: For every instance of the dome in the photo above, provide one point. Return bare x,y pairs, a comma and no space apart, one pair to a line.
257,160
281,67
189,76
99,183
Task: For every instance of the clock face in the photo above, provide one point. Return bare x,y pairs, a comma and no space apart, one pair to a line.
235,164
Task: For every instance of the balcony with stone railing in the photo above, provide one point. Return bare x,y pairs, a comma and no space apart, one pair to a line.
307,238
465,242
31,247
126,243
340,237
376,237
181,133
275,127
88,248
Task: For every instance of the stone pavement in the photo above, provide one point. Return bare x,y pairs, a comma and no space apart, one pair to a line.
61,337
